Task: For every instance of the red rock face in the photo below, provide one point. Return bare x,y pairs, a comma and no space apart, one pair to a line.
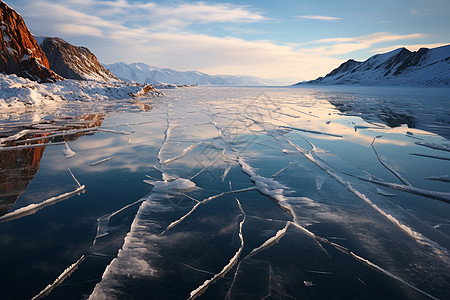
20,54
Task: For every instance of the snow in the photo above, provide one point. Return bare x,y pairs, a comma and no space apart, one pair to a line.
10,50
33,208
179,184
14,137
144,73
6,38
68,153
17,92
64,275
431,70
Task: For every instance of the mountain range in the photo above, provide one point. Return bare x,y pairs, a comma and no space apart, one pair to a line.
143,73
425,67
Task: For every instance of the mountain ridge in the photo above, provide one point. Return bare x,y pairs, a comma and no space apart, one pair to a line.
424,67
143,73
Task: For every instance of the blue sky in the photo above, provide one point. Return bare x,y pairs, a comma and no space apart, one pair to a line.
297,40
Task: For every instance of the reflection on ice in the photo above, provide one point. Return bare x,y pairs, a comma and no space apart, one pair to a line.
272,195
33,208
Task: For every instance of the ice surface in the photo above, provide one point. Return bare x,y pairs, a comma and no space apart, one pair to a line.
33,208
201,289
225,210
386,165
369,263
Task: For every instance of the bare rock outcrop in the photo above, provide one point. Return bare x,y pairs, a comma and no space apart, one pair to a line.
73,62
20,54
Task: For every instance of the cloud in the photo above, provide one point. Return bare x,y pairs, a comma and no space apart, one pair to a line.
320,18
373,38
164,35
229,55
158,34
77,29
182,14
409,47
341,45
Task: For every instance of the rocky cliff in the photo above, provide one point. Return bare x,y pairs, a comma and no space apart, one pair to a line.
20,54
74,62
425,67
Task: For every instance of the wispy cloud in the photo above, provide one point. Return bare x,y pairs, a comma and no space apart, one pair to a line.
409,47
373,38
320,18
163,35
174,15
345,45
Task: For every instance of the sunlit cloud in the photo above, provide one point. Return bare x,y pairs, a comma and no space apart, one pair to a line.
373,38
341,45
168,35
227,55
182,14
409,47
77,29
320,18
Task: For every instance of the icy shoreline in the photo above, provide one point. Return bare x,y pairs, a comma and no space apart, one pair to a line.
17,92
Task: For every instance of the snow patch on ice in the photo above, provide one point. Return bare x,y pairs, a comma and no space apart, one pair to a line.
68,153
179,184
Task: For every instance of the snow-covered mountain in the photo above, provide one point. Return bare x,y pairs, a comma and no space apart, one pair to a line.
73,62
143,73
425,67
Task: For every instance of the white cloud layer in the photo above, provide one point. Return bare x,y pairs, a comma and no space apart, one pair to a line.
341,46
160,34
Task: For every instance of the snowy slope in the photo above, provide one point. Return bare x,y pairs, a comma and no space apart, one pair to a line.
425,67
143,73
17,92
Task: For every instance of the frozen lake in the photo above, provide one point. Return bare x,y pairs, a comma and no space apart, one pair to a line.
234,193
